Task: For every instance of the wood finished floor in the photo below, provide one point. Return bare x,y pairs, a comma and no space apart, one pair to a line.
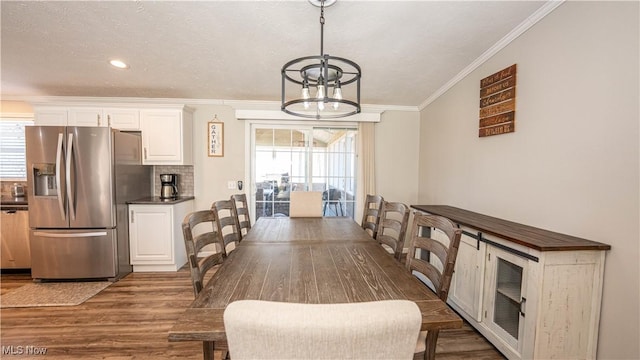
130,320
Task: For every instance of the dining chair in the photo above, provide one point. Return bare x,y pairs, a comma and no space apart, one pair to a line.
227,223
305,204
199,231
332,197
432,235
258,329
371,214
392,228
242,208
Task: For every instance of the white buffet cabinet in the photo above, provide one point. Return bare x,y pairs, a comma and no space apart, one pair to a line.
155,234
166,128
534,294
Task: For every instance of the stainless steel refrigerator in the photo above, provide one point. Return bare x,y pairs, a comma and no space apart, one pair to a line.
79,182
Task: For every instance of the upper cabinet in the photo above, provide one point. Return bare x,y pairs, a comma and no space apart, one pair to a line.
117,118
166,128
166,136
50,115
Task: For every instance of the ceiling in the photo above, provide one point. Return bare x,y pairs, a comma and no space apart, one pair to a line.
234,50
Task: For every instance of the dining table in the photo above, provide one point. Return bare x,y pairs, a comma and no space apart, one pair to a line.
323,260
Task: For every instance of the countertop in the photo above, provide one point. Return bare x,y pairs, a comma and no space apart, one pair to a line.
529,236
11,202
156,200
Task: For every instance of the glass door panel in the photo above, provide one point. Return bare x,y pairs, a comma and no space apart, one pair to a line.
504,303
303,158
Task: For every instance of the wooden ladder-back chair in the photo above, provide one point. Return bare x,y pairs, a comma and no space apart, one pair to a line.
438,272
227,222
392,228
200,266
242,207
371,214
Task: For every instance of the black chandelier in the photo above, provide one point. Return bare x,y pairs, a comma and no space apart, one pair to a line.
322,72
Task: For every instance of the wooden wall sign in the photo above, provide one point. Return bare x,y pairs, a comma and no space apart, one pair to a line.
498,103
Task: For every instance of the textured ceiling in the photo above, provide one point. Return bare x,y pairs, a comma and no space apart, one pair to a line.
234,50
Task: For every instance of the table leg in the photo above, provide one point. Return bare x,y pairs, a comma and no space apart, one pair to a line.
207,350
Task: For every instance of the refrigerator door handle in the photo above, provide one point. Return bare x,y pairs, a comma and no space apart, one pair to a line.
72,210
63,213
70,235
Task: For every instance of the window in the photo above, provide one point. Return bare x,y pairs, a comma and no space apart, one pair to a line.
13,161
303,158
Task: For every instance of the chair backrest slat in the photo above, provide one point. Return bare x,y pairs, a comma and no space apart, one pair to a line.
242,207
227,222
392,228
371,214
199,265
438,273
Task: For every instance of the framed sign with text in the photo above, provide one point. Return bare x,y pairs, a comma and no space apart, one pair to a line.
215,142
498,103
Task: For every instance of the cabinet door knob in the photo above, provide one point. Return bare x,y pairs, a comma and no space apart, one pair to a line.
98,119
109,120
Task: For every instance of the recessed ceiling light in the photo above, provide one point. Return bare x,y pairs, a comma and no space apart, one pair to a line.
119,64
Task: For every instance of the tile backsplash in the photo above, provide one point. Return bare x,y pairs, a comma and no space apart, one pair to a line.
185,178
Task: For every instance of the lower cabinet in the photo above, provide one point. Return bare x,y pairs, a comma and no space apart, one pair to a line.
533,293
155,236
14,238
529,304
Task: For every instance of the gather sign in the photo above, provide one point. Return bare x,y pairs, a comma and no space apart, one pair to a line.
498,103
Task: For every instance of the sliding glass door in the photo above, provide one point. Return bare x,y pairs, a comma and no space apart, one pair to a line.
303,158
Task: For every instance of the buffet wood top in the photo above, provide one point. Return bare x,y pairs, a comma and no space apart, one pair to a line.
334,261
529,236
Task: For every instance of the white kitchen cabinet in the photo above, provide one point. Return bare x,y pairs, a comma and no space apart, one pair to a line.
155,236
166,136
48,115
122,118
533,293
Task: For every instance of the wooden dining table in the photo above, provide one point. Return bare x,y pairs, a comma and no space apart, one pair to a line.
323,260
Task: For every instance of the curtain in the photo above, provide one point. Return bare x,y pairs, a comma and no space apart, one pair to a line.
366,165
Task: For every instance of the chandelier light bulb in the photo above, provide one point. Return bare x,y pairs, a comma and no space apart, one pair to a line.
305,94
337,95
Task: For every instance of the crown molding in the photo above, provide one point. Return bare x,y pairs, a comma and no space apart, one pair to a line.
543,11
236,104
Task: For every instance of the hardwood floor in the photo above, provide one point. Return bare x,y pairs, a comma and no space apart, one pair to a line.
130,320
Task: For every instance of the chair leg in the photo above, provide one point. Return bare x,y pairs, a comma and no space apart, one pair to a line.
430,350
324,211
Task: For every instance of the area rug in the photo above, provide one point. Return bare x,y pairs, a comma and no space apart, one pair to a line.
52,294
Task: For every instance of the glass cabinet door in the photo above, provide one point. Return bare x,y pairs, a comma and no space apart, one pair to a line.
504,294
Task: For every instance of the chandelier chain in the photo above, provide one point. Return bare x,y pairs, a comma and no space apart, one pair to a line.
322,27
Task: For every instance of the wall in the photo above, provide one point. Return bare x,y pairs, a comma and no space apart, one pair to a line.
397,139
397,145
572,166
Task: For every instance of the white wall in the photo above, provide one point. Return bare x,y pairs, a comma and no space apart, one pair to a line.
572,166
211,174
397,145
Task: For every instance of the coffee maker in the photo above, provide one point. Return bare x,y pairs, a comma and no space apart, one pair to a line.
169,189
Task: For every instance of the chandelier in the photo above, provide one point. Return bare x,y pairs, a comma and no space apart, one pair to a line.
330,76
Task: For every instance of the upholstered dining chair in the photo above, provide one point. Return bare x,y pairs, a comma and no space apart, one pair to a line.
442,239
227,222
242,207
305,204
392,228
200,263
371,214
258,329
